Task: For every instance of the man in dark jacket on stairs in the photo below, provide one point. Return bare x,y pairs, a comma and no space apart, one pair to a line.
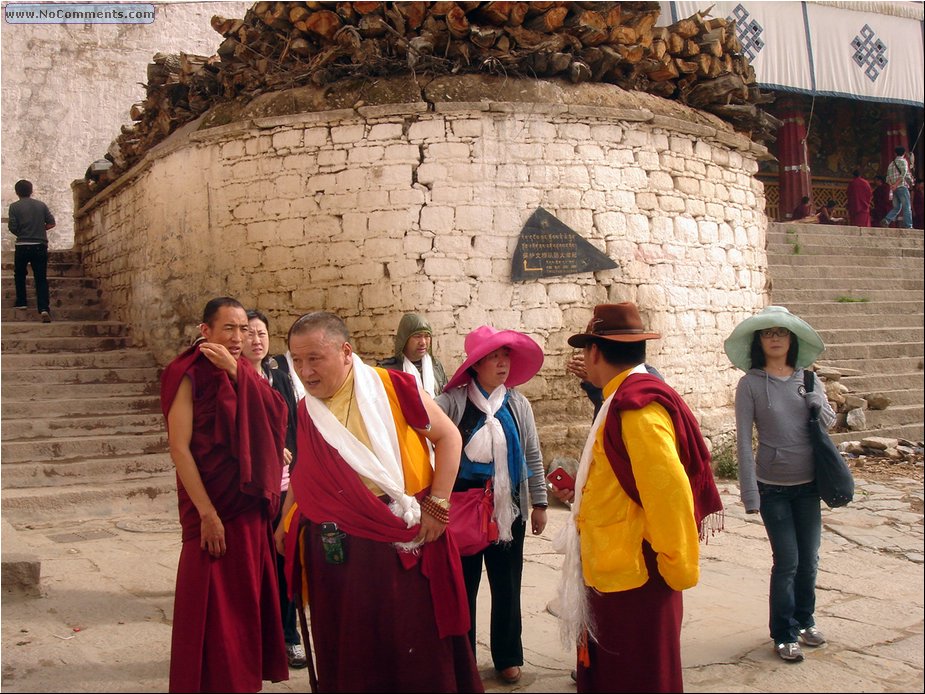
30,219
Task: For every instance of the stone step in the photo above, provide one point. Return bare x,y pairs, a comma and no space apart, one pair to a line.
66,255
56,268
117,358
85,472
842,273
58,298
77,408
91,425
898,398
835,235
61,313
814,235
88,391
841,336
63,328
61,283
911,249
72,376
156,496
892,365
850,309
63,344
911,432
874,320
789,294
879,383
75,447
855,261
872,350
842,284
898,415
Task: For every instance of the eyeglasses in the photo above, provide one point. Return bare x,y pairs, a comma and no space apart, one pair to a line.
774,332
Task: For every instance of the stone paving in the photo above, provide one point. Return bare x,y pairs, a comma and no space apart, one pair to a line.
102,622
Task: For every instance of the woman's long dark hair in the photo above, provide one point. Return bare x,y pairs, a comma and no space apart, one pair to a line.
757,354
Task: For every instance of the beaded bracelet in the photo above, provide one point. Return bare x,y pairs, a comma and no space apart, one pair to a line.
436,511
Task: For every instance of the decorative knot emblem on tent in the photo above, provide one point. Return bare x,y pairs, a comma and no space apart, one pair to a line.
747,31
869,53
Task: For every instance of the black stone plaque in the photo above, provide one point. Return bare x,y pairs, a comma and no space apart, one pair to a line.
549,248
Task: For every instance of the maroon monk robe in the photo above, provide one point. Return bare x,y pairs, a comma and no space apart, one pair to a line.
883,202
860,196
384,620
226,629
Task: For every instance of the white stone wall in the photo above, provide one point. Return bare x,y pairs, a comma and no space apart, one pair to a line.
373,212
67,89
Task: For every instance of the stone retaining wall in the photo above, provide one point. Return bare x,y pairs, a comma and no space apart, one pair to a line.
403,196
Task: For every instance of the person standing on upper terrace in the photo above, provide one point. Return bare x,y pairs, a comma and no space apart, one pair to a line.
899,177
860,197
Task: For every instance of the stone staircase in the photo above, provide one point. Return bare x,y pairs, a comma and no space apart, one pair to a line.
861,289
81,422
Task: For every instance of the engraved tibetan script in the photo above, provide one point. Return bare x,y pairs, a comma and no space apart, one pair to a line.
549,248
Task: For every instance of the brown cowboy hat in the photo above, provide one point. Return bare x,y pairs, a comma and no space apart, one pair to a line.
614,322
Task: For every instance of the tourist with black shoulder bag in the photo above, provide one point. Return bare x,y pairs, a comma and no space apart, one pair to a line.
778,480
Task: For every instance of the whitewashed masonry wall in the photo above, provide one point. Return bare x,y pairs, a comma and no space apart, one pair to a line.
375,210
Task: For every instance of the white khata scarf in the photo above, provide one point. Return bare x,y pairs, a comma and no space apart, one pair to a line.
429,383
574,614
488,444
382,464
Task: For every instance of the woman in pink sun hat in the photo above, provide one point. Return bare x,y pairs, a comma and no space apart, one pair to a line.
500,443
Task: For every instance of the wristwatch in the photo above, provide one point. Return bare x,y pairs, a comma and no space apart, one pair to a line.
442,503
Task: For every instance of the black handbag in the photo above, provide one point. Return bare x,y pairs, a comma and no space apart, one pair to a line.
833,477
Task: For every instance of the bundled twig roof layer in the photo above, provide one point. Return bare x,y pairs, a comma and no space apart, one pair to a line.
279,45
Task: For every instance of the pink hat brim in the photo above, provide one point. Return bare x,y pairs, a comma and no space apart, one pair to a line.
526,358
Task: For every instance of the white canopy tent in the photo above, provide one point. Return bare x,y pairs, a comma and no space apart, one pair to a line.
862,50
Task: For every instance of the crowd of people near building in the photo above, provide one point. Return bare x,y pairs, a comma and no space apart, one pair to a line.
896,199
314,483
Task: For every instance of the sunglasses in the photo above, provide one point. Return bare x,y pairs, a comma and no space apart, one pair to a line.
774,332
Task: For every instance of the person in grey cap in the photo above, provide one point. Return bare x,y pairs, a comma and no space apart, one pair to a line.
414,354
773,348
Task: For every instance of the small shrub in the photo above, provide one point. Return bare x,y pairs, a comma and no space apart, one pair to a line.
724,461
852,299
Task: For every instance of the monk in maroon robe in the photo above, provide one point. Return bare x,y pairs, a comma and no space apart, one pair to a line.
882,201
860,197
381,575
226,428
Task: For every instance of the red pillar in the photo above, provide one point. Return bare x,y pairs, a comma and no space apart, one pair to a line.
894,135
793,158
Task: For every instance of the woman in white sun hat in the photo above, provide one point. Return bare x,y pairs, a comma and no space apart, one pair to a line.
773,348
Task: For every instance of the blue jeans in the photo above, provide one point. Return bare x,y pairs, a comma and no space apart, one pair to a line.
793,521
901,203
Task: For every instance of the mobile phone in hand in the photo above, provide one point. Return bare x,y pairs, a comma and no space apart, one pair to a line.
560,479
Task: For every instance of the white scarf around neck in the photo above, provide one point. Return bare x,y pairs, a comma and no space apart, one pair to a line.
424,377
488,444
382,464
